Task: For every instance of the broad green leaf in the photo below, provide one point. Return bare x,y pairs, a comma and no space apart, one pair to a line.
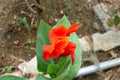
62,64
42,39
8,77
52,69
78,57
64,73
78,53
64,21
41,77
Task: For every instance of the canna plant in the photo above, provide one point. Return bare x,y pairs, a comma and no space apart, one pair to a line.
58,51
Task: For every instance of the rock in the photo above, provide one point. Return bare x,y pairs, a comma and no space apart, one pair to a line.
101,12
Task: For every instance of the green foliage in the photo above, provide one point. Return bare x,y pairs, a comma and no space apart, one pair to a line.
8,77
116,20
63,73
52,70
27,45
110,22
42,39
56,69
29,41
78,53
41,77
24,22
61,77
70,8
113,13
27,49
9,69
63,69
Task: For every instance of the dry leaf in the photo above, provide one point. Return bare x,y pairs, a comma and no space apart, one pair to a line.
113,54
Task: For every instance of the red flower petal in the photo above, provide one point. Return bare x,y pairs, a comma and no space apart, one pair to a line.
60,46
55,49
57,33
47,55
70,51
73,57
72,28
49,48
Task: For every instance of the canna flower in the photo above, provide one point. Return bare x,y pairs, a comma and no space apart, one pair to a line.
59,43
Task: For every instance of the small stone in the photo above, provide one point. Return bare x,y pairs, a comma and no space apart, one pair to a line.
61,12
88,0
95,26
56,20
8,36
15,17
22,12
16,42
19,29
1,29
3,46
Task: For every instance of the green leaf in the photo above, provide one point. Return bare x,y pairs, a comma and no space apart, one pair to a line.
52,69
78,53
40,77
61,77
56,69
62,63
8,77
113,13
109,22
9,69
64,73
42,39
23,21
64,21
78,58
116,20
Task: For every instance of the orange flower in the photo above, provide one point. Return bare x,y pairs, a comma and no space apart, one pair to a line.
59,43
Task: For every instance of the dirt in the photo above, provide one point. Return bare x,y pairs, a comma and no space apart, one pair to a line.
14,48
13,35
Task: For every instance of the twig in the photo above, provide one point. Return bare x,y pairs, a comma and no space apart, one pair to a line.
38,5
92,53
26,1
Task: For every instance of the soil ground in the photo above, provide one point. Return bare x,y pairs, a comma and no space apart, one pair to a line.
17,43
